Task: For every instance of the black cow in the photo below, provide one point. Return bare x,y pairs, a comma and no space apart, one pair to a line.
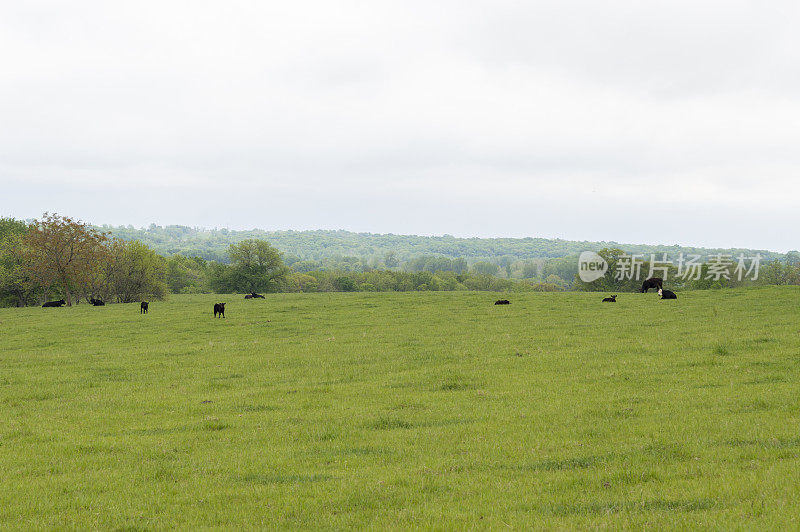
219,308
653,282
667,294
612,299
502,302
59,303
254,296
143,307
96,302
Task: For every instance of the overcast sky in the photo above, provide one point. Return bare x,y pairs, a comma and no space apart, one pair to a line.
635,121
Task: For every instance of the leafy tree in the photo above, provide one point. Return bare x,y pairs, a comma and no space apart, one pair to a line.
485,268
477,282
792,258
779,273
61,252
344,284
505,263
15,284
531,269
425,281
97,282
136,272
390,260
186,275
460,265
301,282
256,266
219,278
307,266
564,267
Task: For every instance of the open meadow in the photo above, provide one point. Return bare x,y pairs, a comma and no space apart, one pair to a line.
404,410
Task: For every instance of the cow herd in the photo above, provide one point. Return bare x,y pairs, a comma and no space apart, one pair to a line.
653,282
61,303
219,308
144,306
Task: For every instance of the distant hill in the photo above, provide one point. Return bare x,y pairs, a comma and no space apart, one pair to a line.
321,245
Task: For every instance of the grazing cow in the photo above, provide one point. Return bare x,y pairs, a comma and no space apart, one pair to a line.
502,302
219,308
96,302
612,299
667,294
653,282
59,303
143,307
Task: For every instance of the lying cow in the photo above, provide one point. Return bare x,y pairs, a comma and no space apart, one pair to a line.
502,302
59,303
612,299
96,302
653,282
254,296
219,308
667,294
143,307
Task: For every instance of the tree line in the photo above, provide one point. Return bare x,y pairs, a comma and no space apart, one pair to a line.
58,256
194,275
350,251
530,259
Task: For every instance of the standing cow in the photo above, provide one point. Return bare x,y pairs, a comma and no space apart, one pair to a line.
143,307
219,310
653,282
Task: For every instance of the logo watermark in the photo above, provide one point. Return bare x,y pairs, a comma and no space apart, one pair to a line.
591,266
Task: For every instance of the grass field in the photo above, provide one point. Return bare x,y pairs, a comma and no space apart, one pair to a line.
422,410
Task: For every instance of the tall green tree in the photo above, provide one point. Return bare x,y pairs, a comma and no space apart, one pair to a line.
136,272
390,259
60,252
186,275
485,268
255,266
15,284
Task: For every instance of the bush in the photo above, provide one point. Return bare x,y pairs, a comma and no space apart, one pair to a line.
344,284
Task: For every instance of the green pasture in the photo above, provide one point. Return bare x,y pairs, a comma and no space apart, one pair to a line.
404,410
